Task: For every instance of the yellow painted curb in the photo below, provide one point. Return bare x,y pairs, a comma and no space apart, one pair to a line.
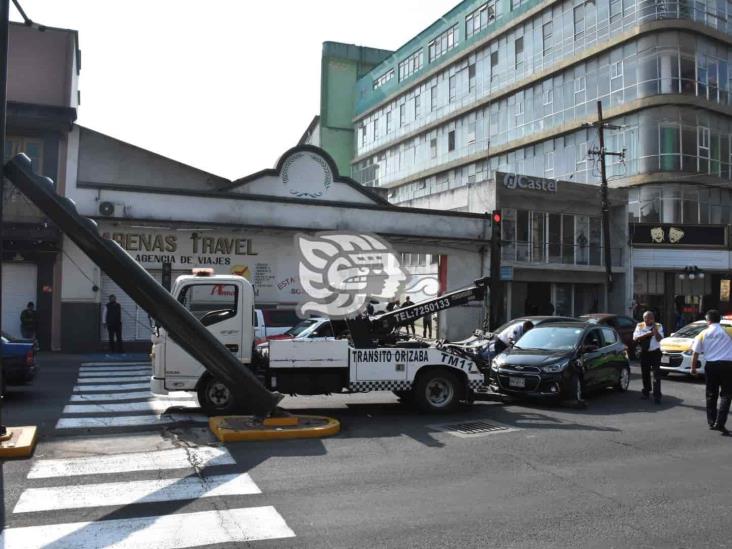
241,428
21,442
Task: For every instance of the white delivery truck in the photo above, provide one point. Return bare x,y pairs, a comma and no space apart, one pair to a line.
370,356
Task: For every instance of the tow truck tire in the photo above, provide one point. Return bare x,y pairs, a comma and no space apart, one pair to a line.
215,398
438,391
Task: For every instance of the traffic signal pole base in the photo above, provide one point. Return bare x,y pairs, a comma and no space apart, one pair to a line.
18,442
252,428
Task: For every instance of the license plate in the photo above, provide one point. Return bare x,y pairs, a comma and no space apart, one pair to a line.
516,382
665,359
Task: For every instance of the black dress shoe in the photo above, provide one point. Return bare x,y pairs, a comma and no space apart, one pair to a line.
712,427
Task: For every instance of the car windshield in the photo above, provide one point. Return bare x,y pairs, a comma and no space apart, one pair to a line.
552,338
301,327
691,330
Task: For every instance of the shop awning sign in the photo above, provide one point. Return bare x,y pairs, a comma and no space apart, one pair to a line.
678,235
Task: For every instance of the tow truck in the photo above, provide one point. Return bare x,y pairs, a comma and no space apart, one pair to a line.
204,336
371,355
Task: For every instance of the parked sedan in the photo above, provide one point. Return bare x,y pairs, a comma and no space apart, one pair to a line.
624,325
19,360
544,362
676,349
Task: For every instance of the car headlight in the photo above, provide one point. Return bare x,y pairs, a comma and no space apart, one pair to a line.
554,368
495,365
688,352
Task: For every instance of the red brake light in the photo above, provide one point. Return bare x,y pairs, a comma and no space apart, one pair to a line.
29,358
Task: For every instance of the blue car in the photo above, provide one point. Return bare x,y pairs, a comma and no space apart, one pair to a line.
19,360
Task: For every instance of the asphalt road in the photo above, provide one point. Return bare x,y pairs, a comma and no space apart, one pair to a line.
623,473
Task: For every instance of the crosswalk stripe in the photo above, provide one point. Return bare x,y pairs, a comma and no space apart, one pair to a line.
153,406
125,421
174,458
91,397
112,379
87,375
162,532
110,387
113,363
136,491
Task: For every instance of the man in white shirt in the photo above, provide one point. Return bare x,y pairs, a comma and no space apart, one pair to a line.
716,344
648,334
511,335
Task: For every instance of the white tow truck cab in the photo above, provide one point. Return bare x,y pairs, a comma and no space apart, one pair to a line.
437,377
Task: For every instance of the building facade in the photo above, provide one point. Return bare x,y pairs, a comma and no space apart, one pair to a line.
42,92
511,86
161,211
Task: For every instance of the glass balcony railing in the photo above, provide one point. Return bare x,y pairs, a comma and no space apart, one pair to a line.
557,253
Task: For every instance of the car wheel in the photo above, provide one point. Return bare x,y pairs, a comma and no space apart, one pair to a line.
438,391
623,379
215,397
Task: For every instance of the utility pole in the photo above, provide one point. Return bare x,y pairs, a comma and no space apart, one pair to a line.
4,29
605,203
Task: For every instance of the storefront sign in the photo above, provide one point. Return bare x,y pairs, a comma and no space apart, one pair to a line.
513,181
724,289
671,236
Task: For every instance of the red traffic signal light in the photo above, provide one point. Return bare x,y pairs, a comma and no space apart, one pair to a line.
496,216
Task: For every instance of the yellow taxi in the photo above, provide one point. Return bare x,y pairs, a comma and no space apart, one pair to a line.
676,349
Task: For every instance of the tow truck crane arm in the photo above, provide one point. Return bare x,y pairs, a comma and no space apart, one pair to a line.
366,331
188,332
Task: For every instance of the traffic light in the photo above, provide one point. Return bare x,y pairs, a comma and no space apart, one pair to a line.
496,227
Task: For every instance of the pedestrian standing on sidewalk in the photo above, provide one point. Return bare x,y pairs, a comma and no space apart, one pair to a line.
113,320
648,334
716,344
408,303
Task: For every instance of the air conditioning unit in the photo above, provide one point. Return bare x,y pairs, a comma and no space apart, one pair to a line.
111,209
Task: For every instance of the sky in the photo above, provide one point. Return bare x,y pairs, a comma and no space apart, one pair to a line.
226,86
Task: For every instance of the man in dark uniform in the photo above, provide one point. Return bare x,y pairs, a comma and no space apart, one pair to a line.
648,334
29,322
408,303
113,320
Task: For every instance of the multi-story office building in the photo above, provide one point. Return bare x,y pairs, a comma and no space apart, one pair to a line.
511,86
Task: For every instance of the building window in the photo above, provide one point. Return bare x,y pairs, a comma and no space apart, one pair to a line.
516,3
433,147
417,106
479,19
548,96
702,149
581,163
383,79
433,97
33,149
519,53
519,112
579,22
402,115
549,164
376,128
669,147
616,10
388,121
494,65
451,140
453,87
442,44
471,77
546,38
411,65
470,137
363,135
580,84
